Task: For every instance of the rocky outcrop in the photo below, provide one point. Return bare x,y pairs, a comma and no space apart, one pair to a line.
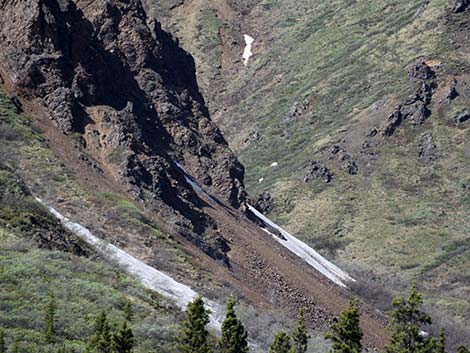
415,110
100,71
461,5
428,149
451,93
263,203
318,171
345,160
462,117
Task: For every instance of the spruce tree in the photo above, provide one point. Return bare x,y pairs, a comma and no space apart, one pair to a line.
128,314
440,345
123,339
49,316
300,335
104,342
193,335
100,322
234,335
346,334
16,346
101,339
407,319
281,343
462,349
3,348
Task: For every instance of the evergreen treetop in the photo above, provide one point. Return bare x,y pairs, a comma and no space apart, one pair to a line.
300,335
234,335
193,335
346,333
123,339
407,320
281,343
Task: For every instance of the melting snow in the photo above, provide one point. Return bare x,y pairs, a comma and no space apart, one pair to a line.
247,53
305,252
191,182
296,246
148,276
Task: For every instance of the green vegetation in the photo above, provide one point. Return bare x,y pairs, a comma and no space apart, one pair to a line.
281,343
193,335
346,334
300,335
82,288
234,335
49,313
399,218
123,339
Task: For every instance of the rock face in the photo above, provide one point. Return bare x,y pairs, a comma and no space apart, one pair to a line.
415,109
428,149
263,203
462,117
461,5
129,91
318,171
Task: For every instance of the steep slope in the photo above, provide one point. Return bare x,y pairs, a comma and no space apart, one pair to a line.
130,96
353,116
111,110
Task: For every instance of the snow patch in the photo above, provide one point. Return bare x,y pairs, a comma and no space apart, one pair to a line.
148,276
247,53
274,165
193,183
305,252
260,180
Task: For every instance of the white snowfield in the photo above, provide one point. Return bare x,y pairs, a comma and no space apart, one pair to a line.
247,53
296,246
148,276
305,252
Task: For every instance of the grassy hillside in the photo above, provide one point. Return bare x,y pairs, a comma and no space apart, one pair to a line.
82,287
39,257
326,73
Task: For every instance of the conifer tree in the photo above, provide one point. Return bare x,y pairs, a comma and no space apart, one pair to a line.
462,349
281,343
3,348
49,317
346,334
440,345
128,314
123,339
16,346
407,319
300,335
234,335
193,335
101,339
104,342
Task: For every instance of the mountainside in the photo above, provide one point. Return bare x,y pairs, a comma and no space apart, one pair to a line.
130,97
107,126
351,119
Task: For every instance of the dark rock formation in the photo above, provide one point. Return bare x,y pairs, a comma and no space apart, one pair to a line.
299,110
451,93
461,5
462,117
318,171
415,109
428,149
99,70
263,203
346,161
